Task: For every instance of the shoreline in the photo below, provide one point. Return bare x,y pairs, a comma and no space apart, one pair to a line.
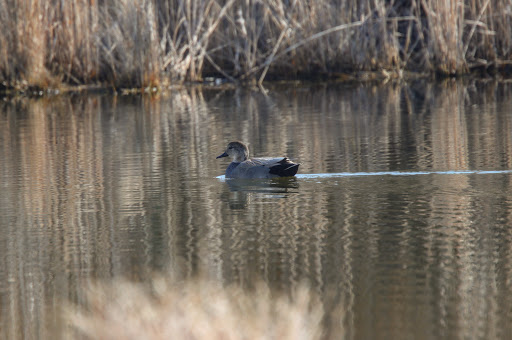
222,83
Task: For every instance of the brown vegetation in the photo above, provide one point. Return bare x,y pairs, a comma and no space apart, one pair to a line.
141,43
195,310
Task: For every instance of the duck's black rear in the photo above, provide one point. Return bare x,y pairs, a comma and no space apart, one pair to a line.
285,170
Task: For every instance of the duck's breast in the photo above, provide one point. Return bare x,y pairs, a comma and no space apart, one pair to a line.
231,169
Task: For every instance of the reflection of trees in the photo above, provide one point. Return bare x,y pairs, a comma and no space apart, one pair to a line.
98,187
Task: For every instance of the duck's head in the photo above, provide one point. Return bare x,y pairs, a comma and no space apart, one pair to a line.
238,151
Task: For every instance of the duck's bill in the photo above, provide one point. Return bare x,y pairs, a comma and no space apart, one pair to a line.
223,155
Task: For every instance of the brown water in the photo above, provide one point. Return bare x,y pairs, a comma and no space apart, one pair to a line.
402,209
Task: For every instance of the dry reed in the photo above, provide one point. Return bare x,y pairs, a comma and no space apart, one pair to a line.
141,43
195,310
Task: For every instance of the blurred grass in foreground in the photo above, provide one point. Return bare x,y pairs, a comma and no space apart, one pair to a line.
196,310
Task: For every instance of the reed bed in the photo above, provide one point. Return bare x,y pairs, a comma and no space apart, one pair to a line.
194,310
145,43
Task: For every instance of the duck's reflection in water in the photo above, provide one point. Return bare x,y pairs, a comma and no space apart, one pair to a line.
242,190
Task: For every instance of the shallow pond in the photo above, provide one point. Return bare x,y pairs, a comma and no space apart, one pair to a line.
400,216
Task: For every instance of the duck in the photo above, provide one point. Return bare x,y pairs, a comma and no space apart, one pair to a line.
244,167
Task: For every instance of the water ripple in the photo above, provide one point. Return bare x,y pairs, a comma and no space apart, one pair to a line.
394,173
402,173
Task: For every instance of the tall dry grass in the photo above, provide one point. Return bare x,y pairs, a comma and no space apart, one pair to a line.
194,310
139,43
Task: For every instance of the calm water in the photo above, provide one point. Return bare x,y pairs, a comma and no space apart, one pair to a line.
403,205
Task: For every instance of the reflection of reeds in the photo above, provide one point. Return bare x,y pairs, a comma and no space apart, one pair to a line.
138,43
195,310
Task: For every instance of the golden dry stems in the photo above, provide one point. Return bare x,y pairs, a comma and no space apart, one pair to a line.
145,43
198,309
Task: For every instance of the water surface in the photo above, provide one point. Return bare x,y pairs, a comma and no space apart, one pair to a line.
400,214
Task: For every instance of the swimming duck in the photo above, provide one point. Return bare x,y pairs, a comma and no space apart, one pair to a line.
244,167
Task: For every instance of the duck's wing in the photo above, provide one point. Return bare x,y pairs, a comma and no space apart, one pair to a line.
266,168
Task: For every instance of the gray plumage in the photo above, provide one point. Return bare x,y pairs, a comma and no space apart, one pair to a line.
244,167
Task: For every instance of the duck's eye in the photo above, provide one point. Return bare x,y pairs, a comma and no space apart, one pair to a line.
230,148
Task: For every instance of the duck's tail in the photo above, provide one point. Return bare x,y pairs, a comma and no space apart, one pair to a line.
285,169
